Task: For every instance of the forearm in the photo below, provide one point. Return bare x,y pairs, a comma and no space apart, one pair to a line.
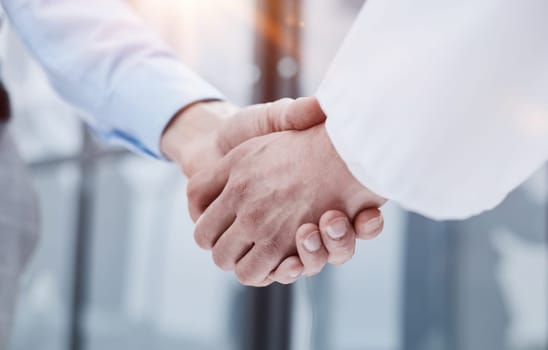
445,122
104,60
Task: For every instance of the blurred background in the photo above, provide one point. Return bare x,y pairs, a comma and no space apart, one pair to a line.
117,267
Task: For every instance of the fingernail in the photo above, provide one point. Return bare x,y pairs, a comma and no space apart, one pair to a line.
373,225
338,229
313,243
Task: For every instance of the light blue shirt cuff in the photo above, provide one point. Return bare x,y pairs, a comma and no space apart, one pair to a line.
146,100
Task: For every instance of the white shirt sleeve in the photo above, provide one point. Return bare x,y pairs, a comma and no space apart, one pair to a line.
442,105
103,59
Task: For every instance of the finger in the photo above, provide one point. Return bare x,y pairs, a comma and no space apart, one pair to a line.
302,114
217,218
311,250
259,120
369,223
289,271
257,265
267,282
230,248
338,236
205,187
250,122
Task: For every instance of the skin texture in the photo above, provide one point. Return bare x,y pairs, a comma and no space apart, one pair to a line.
337,251
252,202
201,135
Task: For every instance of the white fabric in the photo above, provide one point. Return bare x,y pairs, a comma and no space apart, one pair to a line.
103,59
442,105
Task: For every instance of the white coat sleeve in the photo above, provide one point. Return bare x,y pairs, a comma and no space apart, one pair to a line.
104,60
442,106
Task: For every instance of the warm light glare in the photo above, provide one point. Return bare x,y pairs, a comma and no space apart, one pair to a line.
171,17
184,24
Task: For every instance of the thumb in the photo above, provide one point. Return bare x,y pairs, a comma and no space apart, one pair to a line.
302,114
263,119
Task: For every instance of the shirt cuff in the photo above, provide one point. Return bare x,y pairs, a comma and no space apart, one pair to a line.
145,100
373,158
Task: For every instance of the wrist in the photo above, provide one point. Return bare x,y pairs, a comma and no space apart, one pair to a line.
191,133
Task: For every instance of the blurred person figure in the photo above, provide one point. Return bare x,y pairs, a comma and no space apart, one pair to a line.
18,220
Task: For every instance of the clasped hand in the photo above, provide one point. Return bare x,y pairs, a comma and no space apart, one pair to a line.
276,200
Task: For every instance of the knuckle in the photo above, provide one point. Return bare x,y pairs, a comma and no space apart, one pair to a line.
239,186
202,240
192,190
254,216
263,123
244,276
223,141
283,103
222,260
275,114
270,247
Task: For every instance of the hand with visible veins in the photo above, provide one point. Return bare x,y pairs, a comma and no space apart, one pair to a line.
252,202
315,246
201,135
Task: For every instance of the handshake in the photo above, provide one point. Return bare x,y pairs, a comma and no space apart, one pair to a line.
270,196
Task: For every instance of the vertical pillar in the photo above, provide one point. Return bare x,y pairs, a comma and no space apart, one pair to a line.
277,58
